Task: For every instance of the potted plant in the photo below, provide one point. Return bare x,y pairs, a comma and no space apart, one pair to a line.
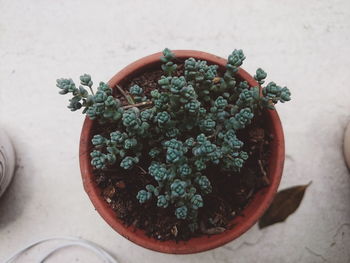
180,151
7,161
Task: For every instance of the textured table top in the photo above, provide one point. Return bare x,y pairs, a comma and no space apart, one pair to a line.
304,45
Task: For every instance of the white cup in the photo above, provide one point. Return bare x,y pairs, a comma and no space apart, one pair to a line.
7,161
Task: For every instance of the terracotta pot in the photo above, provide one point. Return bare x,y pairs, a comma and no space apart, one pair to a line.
252,212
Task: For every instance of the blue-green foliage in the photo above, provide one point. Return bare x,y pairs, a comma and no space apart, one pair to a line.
190,123
162,201
181,212
168,65
128,162
137,93
143,196
260,75
273,93
102,105
200,75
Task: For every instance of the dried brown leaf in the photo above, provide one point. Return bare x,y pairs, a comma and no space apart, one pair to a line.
284,204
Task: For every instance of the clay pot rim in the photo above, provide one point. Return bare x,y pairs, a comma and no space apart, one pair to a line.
197,244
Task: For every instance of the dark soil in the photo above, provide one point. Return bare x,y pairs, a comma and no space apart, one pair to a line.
231,191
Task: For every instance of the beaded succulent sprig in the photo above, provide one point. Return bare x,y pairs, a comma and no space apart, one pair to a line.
190,122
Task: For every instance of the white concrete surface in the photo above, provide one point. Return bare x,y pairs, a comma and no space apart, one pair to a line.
302,44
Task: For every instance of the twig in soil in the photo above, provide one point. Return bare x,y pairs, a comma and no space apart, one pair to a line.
265,179
211,231
217,130
251,192
211,136
143,170
229,156
145,103
262,170
127,96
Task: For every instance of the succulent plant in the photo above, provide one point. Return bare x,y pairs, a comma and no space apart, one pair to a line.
181,212
137,92
143,196
168,65
162,201
196,202
128,162
190,123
